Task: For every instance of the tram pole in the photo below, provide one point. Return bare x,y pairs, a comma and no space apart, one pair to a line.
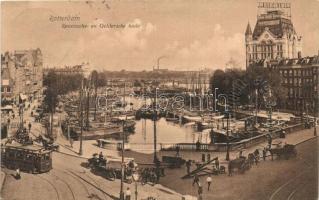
123,143
155,133
227,153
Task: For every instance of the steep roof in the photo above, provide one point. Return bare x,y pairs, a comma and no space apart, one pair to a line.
276,23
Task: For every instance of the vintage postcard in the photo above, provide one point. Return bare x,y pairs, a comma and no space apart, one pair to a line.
159,99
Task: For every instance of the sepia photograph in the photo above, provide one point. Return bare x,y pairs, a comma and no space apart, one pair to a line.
159,99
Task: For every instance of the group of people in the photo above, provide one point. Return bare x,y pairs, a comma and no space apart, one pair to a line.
151,174
196,180
200,187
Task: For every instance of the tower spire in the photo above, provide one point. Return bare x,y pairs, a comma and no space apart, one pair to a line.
248,30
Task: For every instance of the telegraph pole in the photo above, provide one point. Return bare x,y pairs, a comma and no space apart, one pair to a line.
256,107
87,106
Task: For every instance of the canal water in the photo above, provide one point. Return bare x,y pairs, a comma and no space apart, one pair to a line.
167,133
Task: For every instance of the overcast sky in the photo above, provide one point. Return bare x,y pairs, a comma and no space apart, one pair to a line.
190,34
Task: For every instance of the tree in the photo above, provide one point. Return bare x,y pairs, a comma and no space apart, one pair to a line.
51,96
94,80
241,86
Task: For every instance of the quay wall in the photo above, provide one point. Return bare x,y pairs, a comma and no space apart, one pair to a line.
233,145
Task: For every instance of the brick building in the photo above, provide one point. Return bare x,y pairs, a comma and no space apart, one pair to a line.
301,78
21,74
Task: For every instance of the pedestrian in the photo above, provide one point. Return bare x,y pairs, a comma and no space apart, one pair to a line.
101,157
240,153
256,159
269,141
217,164
264,153
200,189
209,181
128,194
29,126
188,166
71,142
196,180
177,151
197,145
18,176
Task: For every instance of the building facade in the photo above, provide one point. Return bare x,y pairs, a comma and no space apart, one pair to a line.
274,44
274,37
21,74
301,78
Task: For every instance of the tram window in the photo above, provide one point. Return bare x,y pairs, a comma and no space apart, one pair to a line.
29,157
11,154
45,157
19,155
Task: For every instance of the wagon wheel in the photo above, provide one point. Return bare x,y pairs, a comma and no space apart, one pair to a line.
111,175
242,168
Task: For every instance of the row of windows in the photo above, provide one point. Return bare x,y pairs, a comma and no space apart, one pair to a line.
5,89
290,72
297,81
299,92
255,56
265,47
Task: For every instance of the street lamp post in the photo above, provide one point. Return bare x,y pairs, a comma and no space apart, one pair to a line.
122,166
227,153
135,178
155,133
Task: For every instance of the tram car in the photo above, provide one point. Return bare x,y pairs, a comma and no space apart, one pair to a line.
29,158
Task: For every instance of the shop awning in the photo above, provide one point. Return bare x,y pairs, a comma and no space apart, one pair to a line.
5,82
7,107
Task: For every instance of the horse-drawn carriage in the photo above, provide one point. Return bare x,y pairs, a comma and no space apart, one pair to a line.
113,170
100,164
241,164
287,151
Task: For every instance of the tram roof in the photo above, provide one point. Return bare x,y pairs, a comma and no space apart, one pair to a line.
31,147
